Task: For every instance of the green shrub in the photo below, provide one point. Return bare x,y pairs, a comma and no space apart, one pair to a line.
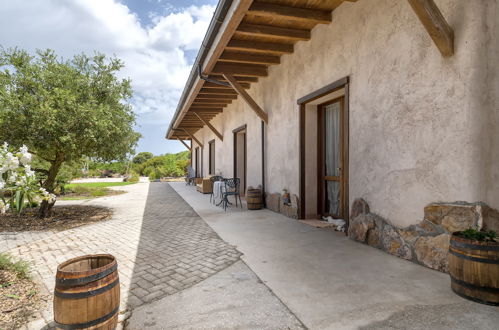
477,235
132,177
21,268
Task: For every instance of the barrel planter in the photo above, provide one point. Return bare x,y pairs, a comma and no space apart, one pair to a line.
87,293
254,199
474,269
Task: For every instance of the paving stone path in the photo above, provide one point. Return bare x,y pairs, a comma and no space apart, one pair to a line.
161,244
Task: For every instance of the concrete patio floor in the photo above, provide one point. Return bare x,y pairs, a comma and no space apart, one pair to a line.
331,282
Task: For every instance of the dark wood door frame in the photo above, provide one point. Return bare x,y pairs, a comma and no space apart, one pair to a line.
302,102
235,132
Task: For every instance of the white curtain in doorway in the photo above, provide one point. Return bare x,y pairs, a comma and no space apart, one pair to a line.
332,114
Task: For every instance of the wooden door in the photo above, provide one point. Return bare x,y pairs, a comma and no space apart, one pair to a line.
331,159
240,161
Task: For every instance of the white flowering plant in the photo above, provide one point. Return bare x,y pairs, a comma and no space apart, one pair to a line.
18,184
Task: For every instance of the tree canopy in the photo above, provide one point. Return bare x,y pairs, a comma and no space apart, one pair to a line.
142,157
64,110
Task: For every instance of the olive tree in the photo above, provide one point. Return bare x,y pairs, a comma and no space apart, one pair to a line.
64,110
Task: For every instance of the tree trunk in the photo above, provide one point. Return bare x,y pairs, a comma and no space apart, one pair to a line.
46,207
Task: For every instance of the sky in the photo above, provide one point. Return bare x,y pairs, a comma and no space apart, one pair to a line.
158,41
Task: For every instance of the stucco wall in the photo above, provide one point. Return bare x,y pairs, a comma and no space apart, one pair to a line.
418,121
491,29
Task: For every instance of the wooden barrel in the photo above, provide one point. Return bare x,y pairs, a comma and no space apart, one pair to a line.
474,269
87,293
254,199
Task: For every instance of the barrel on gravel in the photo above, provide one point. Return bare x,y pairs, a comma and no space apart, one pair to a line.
87,293
254,199
474,269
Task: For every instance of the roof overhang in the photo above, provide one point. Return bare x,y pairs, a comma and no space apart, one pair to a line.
245,37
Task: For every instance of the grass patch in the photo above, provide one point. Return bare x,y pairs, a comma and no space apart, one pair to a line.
97,184
20,268
86,190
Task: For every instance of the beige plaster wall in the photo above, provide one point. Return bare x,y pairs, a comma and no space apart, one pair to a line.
491,41
417,120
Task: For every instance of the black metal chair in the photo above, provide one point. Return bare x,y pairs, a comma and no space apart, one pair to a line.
214,179
231,189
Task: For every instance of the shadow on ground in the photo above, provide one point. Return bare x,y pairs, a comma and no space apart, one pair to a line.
176,249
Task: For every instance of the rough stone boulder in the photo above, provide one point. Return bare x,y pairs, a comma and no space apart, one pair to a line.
455,216
432,251
359,226
393,243
273,202
359,207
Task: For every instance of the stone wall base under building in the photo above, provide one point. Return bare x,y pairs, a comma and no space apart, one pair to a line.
426,243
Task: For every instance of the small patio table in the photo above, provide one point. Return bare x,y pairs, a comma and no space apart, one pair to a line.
218,188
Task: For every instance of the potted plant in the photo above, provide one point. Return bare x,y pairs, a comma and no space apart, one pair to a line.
474,265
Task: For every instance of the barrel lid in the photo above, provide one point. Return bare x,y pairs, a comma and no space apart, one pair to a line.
63,272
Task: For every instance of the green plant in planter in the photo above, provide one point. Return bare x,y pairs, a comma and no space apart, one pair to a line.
477,235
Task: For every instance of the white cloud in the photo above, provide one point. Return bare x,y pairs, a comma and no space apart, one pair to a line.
154,55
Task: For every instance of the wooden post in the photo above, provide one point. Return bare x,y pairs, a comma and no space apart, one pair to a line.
247,98
207,123
436,25
193,137
185,144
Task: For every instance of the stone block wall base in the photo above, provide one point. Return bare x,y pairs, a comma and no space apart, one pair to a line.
426,243
275,203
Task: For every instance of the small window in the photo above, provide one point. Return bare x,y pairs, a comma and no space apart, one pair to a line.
211,150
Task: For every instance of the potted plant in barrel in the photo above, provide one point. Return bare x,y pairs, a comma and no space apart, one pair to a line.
474,265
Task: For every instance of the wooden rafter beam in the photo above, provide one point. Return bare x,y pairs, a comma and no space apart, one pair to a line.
210,126
247,98
290,13
238,78
193,137
185,144
217,91
260,47
250,70
203,105
247,29
204,101
436,25
235,57
212,85
216,96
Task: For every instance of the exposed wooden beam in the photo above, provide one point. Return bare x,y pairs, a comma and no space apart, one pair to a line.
185,144
249,58
260,47
228,91
204,109
247,98
436,25
233,18
216,96
210,126
272,31
193,137
205,101
238,78
212,85
203,105
250,70
290,13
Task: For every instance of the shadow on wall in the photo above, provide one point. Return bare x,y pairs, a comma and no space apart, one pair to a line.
176,249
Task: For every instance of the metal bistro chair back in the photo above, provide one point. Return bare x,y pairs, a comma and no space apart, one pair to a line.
231,189
214,179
